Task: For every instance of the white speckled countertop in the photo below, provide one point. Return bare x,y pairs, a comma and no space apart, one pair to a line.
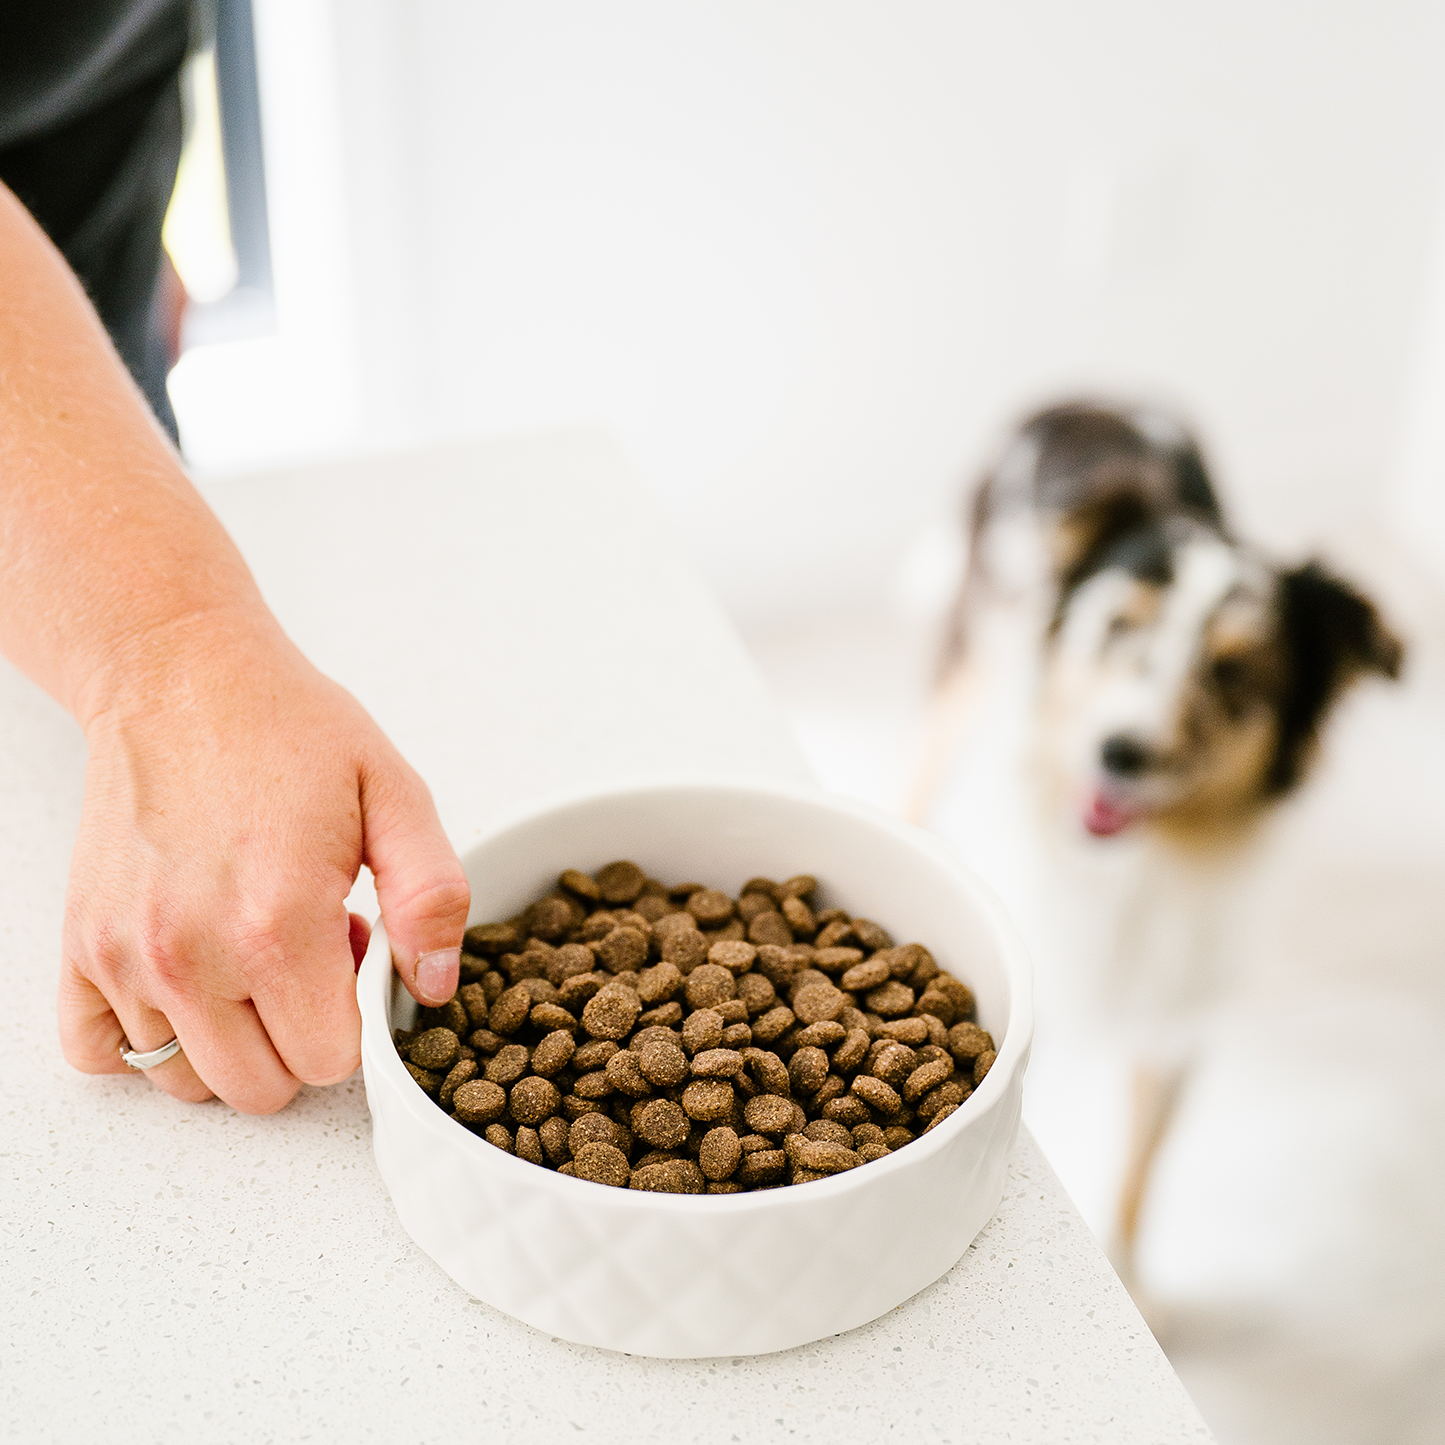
176,1272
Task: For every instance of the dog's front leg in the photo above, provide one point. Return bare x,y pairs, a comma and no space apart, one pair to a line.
1154,1098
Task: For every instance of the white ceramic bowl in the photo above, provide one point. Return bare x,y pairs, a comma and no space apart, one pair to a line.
685,1276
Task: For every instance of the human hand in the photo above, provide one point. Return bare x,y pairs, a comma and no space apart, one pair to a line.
231,796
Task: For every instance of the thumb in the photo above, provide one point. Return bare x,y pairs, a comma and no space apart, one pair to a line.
420,884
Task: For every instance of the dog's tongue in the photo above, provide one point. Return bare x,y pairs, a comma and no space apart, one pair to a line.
1106,818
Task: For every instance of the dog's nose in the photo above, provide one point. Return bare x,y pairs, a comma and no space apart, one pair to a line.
1124,756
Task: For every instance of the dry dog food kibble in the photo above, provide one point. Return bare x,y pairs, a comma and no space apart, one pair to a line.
679,1040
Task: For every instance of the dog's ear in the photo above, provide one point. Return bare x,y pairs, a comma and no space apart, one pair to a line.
1330,635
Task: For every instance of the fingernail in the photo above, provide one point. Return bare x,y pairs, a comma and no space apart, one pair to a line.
436,974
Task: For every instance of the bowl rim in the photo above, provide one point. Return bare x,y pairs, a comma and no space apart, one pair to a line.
374,980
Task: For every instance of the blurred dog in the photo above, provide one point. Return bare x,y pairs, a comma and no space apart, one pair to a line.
1180,682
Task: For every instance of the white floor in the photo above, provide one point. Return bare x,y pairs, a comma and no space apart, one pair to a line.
1293,1251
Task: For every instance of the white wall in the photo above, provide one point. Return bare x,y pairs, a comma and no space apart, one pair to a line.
804,258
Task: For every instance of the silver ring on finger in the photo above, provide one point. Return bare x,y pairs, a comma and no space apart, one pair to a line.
151,1058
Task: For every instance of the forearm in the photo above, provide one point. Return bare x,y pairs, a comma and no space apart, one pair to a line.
108,557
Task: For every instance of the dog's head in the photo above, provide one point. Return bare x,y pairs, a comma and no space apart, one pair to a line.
1186,679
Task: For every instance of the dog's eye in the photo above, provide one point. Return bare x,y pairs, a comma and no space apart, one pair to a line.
1229,674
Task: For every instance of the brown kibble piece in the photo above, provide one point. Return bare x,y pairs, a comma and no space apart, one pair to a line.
836,961
820,1036
896,1136
892,1063
551,1016
510,1011
602,1164
479,1102
852,1051
578,988
818,1001
965,1042
833,934
553,1133
720,1153
830,1130
473,998
934,1001
702,1030
710,907
717,1064
981,1065
651,907
657,984
611,1012
595,1085
594,1054
463,1070
763,1167
620,882
491,940
906,1031
673,1176
951,1092
772,928
768,1114
507,1066
926,1077
962,996
774,1023
499,1137
623,949
769,1070
551,919
709,984
847,1110
757,993
947,1112
529,1146
892,999
708,1100
877,1095
736,957
799,917
435,1051
751,903
802,885
866,975
426,1080
680,922
807,1069
575,1108
663,1062
575,881
870,935
661,1123
684,948
819,1155
597,1129
534,1099
553,1053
